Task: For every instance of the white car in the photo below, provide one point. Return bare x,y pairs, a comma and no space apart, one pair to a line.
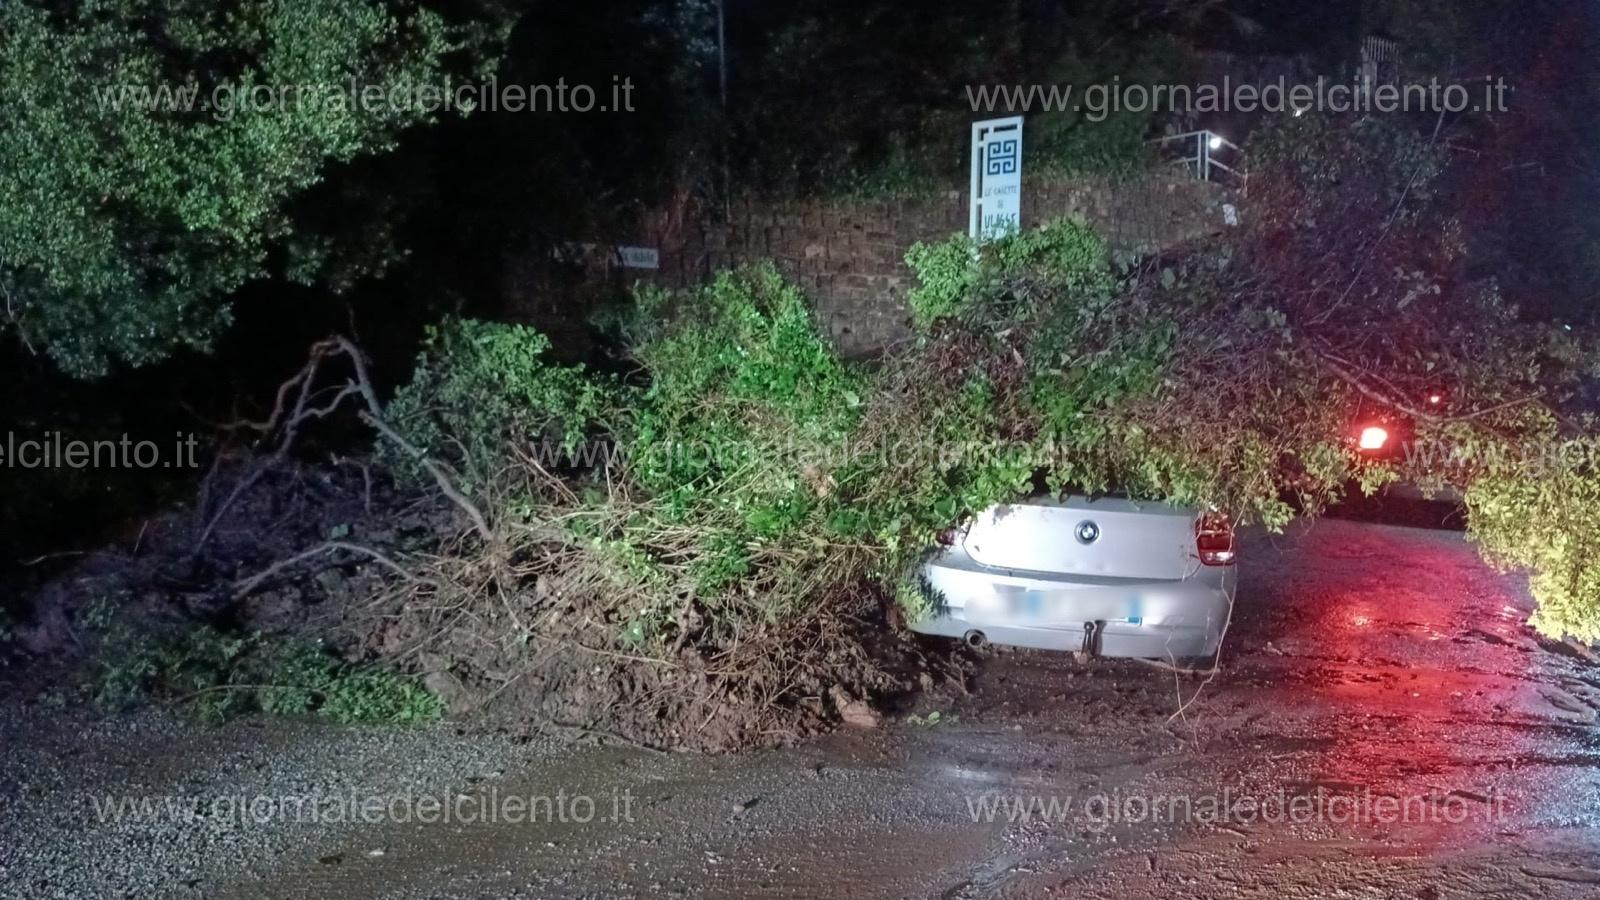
1104,576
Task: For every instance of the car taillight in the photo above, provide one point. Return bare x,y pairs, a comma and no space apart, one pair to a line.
1213,540
1373,438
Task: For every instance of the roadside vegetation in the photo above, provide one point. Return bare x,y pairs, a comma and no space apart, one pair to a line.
108,254
216,675
803,121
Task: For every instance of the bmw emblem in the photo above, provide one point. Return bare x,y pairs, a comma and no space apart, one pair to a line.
1087,532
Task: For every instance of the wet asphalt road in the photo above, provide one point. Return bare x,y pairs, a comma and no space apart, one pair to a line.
1385,726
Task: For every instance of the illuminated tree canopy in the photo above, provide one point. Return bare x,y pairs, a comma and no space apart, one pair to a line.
137,185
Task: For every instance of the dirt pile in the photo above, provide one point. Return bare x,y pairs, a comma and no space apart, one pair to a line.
511,635
565,676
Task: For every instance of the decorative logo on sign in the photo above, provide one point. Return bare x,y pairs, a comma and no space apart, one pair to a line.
1004,156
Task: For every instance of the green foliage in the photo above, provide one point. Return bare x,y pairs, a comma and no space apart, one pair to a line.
219,676
809,117
744,391
718,479
741,355
931,452
1091,138
1540,511
906,170
1313,163
138,190
1021,388
1342,302
916,599
760,468
947,274
480,387
1065,260
1037,366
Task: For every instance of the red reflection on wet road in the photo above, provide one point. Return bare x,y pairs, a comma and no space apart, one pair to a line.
1427,685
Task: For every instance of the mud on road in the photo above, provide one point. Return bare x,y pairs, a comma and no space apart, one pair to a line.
1385,726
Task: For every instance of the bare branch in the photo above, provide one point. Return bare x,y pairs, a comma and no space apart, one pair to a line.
245,586
288,417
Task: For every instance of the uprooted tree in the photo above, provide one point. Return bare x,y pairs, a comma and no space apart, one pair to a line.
702,550
1229,374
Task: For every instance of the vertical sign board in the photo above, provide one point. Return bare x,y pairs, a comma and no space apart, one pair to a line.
996,202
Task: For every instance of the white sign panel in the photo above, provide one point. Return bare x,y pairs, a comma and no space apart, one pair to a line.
627,257
639,257
996,199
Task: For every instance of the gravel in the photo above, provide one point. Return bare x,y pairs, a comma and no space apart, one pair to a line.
67,773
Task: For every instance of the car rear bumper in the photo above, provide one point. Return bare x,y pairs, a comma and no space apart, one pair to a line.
1104,616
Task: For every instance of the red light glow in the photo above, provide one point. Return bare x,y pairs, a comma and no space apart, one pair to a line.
1373,438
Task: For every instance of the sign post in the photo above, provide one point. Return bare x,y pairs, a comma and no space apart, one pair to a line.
995,204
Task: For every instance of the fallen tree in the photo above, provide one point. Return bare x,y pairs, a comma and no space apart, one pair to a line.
745,476
1237,371
715,548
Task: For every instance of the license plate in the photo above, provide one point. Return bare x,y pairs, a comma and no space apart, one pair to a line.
1054,606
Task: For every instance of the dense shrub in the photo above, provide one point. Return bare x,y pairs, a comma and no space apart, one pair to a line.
481,389
709,484
1063,263
757,469
744,390
1104,385
739,365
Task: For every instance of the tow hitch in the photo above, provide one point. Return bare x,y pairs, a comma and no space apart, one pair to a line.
1091,637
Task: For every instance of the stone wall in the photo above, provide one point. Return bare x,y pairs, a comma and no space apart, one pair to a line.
850,256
